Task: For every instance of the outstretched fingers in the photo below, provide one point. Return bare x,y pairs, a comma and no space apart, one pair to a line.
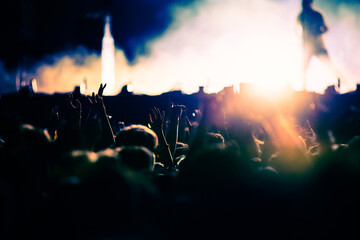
101,89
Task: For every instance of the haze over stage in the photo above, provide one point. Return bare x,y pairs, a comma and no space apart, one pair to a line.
183,46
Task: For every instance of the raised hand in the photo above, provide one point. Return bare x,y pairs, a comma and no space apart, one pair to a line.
156,119
177,111
73,104
73,109
101,89
99,111
98,103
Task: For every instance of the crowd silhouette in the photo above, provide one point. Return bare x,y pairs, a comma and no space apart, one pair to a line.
71,168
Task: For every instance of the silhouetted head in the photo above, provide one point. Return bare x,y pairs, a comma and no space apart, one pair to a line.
138,158
35,142
107,199
34,137
215,138
216,168
306,3
137,135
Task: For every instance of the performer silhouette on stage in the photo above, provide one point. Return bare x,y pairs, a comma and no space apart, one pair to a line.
314,26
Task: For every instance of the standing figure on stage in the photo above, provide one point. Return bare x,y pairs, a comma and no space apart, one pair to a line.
313,28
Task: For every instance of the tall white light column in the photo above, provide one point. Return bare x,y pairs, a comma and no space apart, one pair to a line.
108,59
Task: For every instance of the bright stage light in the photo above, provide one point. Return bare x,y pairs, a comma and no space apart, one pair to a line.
108,59
215,44
270,92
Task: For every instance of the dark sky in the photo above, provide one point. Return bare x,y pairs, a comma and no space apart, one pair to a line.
35,28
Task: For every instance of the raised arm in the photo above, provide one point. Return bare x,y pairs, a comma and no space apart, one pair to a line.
172,135
107,138
157,118
73,111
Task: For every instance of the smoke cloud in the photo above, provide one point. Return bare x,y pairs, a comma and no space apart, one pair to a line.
219,43
344,22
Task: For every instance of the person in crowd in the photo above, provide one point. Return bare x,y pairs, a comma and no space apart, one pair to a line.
314,27
243,173
138,158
